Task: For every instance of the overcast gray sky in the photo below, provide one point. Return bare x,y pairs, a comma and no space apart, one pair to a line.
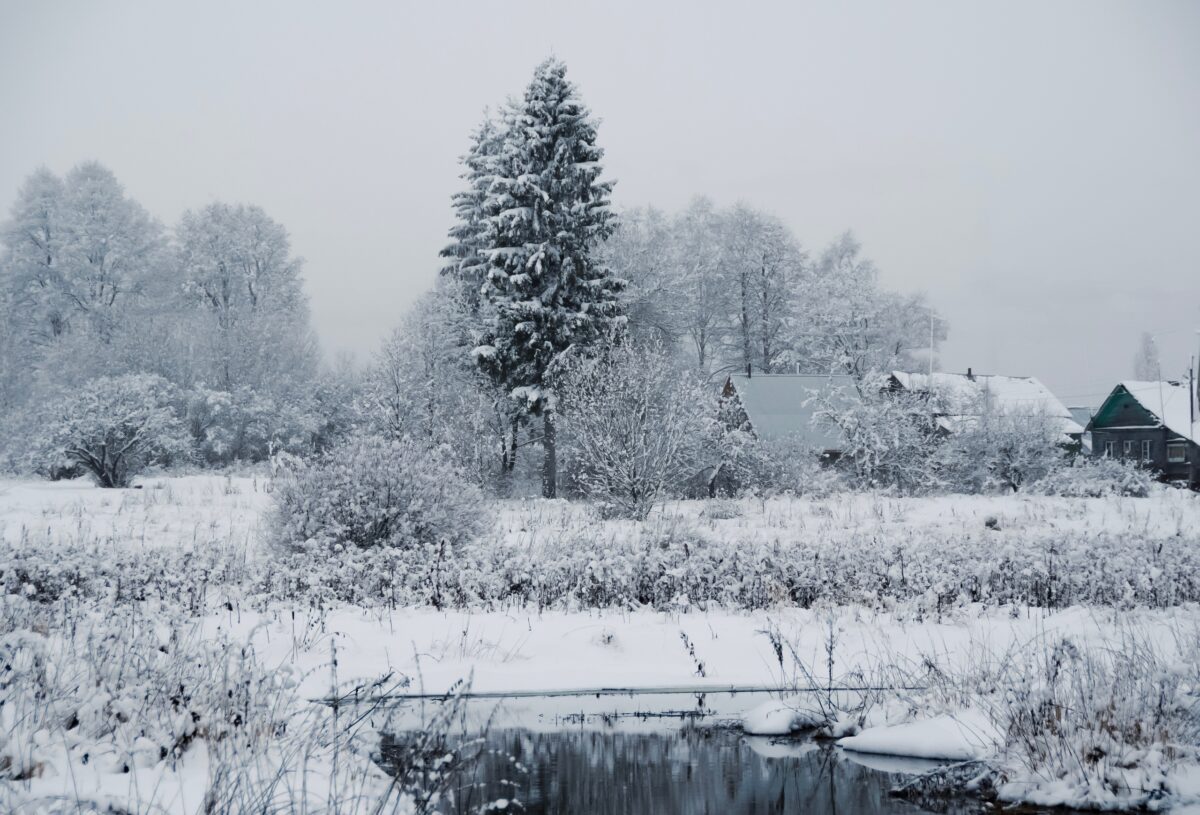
1033,166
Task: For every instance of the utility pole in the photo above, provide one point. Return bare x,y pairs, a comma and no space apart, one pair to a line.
931,348
1195,389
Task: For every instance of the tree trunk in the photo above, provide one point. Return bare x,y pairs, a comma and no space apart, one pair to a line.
514,430
550,462
747,354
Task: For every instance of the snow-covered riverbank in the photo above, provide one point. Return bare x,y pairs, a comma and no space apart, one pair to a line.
116,599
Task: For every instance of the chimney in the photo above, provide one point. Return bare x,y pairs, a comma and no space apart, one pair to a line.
970,375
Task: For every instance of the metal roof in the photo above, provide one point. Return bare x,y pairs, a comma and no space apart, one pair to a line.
784,406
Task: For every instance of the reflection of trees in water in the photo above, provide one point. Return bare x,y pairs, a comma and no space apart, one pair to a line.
693,770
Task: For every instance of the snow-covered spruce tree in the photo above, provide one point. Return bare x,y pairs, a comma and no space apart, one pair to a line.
113,428
461,298
547,211
467,261
637,426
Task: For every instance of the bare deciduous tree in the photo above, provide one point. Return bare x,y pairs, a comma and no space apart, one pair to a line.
636,425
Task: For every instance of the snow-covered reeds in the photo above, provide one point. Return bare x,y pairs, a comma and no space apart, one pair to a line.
128,707
1107,725
1061,719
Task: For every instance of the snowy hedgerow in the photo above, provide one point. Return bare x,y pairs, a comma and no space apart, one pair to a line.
637,426
1095,478
372,492
114,427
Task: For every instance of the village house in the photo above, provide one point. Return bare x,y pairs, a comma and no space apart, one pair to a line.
783,407
1154,424
961,399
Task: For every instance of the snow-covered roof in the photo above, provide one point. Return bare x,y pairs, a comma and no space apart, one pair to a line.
963,398
1170,401
782,406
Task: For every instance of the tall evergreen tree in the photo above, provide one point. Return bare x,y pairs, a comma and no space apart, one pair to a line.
466,259
546,212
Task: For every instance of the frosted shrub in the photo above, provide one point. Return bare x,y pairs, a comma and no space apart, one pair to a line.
721,509
113,428
998,451
635,426
369,492
890,440
788,466
1095,478
237,426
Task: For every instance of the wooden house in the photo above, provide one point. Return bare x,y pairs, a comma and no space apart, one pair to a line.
960,400
783,407
1154,424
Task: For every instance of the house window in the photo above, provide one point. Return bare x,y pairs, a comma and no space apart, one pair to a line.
1176,453
1128,449
1110,449
1147,450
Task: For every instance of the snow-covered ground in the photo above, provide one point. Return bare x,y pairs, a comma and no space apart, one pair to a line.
184,510
944,659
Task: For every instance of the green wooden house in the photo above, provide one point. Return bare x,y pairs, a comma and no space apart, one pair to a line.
1154,424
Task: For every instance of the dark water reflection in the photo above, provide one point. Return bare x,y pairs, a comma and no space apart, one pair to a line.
685,770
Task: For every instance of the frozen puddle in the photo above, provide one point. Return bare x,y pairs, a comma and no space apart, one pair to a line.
652,753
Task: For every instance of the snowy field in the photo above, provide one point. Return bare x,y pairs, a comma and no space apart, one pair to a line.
185,592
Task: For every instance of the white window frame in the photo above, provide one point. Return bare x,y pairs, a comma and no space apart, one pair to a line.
1177,452
1110,449
1127,449
1147,450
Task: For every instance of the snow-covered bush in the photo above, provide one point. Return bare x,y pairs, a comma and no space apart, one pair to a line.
663,564
999,451
635,425
1081,477
786,466
371,492
228,427
890,437
113,428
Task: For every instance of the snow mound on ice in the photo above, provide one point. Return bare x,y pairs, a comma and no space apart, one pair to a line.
778,717
964,736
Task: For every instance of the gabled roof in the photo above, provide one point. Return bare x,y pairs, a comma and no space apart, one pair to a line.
1082,415
782,406
963,398
1169,402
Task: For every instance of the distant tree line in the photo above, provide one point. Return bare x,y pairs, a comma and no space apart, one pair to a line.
128,344
211,315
